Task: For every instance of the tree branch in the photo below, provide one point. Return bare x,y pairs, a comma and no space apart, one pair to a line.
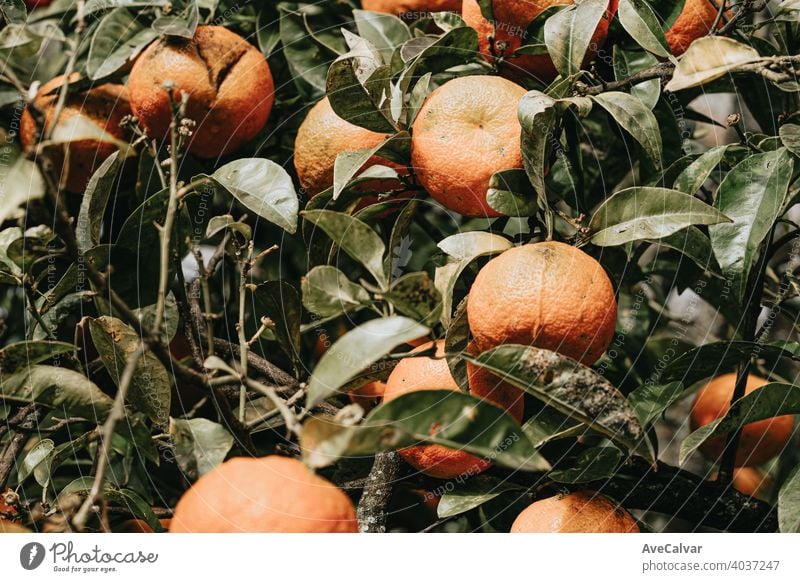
378,492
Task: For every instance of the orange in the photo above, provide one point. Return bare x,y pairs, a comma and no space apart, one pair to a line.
466,131
141,526
229,83
411,8
750,481
760,441
695,20
579,512
269,494
322,136
512,18
548,295
415,374
369,395
105,106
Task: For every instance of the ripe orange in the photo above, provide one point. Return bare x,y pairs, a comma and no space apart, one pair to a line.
411,8
270,494
548,295
322,136
104,106
512,18
750,481
760,440
369,395
695,21
228,80
466,131
414,374
579,512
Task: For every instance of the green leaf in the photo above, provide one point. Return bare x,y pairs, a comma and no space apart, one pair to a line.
648,213
58,388
464,248
548,425
773,399
650,400
415,296
306,54
37,463
636,119
570,388
28,353
356,350
709,58
358,86
639,20
710,359
790,137
200,445
263,187
752,195
94,201
122,497
385,32
472,494
510,193
699,171
349,164
456,341
118,39
568,34
789,503
218,224
328,292
695,245
354,237
590,465
630,62
449,418
150,390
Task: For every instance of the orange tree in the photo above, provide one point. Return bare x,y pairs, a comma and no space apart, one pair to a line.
545,226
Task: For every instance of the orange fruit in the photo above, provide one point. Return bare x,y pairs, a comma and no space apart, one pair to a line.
368,395
695,21
422,373
750,481
322,136
512,18
466,131
760,441
105,106
141,526
229,83
411,9
578,512
548,295
269,494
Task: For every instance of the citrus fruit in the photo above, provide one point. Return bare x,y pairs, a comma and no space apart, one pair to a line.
578,512
269,494
511,21
322,136
424,373
695,20
411,9
104,106
548,295
466,131
228,81
369,395
750,481
760,441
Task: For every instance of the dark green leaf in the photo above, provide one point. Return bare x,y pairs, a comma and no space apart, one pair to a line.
568,34
472,494
93,203
415,296
699,171
328,292
639,20
590,465
636,119
28,353
117,40
200,445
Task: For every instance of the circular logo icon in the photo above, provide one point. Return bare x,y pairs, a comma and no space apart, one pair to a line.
31,555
